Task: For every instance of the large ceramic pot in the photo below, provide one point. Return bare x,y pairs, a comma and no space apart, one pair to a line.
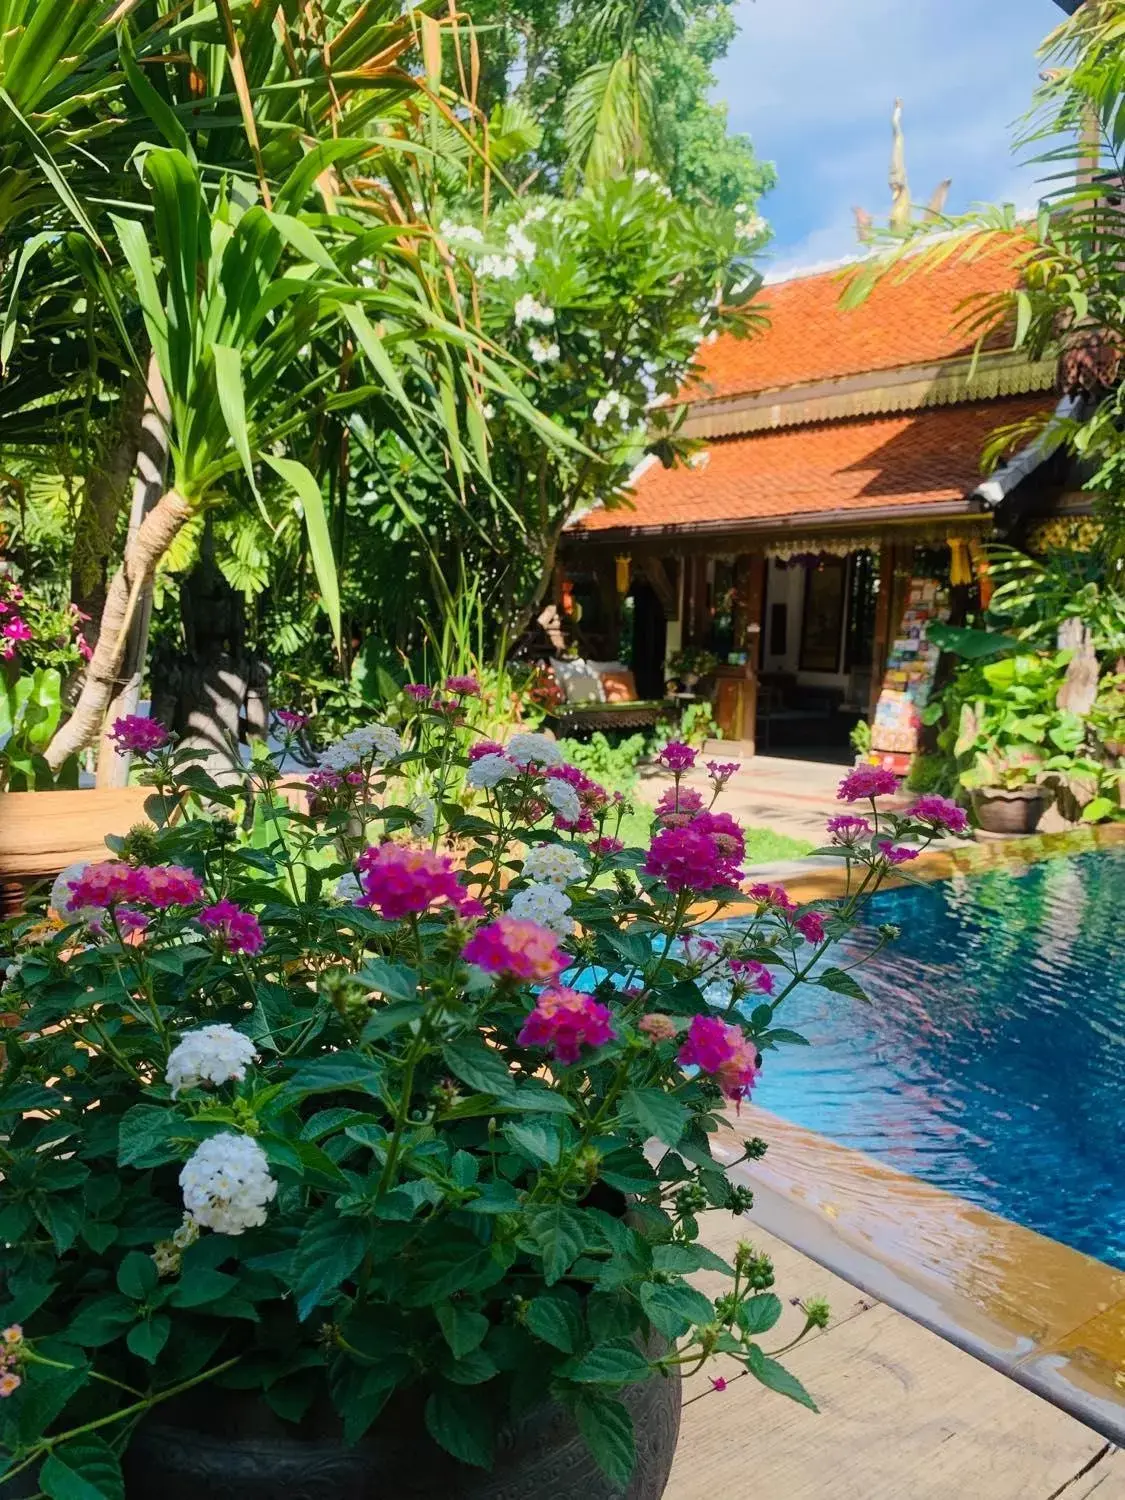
225,1446
1014,811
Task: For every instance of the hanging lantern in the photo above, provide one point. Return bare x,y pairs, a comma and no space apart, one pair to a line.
621,565
960,565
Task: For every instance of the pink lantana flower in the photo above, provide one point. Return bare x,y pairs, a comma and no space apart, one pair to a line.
676,756
134,734
659,1027
721,771
564,1021
865,783
291,720
236,930
517,949
111,883
485,747
419,691
847,829
689,859
722,1051
775,896
464,687
401,882
811,926
896,854
606,845
752,975
678,805
940,813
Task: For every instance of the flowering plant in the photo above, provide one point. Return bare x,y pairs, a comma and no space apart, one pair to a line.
39,646
315,1114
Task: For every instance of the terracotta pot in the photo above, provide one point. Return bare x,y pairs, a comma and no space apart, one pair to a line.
234,1448
1011,811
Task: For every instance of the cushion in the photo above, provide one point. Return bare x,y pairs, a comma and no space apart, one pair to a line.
578,682
619,686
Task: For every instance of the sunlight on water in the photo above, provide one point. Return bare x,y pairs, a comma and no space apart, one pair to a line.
991,1060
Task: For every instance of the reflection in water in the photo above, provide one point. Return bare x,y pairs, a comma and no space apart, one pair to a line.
991,1060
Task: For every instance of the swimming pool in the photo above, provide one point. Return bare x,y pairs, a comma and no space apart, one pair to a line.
991,1059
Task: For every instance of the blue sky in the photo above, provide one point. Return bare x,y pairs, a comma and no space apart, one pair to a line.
813,82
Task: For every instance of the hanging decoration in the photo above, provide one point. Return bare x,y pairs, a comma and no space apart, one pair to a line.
621,573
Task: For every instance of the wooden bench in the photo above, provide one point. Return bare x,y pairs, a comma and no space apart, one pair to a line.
571,718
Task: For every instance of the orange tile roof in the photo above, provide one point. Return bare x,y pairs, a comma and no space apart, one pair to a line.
810,337
865,464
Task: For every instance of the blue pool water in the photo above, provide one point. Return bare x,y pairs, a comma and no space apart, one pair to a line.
991,1059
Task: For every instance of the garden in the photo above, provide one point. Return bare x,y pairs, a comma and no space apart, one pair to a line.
358,1096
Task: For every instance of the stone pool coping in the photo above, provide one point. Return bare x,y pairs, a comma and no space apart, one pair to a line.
1049,1317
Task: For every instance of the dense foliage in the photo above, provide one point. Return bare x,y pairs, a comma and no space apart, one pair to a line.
298,1112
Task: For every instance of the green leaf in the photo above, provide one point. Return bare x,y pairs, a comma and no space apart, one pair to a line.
327,1253
308,492
560,1234
657,1113
840,983
673,1308
338,1070
161,114
480,1066
396,981
777,1378
537,1139
84,1470
682,1260
232,404
101,1320
607,1430
458,1421
759,1314
50,169
147,1339
463,1328
448,1267
556,1320
137,1276
144,1137
199,1285
609,1364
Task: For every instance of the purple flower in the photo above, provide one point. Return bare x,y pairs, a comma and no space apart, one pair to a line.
17,629
291,720
865,783
136,734
419,692
688,859
722,771
236,930
896,854
940,812
847,829
464,687
811,926
676,756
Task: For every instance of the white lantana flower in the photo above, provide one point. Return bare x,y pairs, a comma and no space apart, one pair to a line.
527,310
213,1054
536,213
553,864
376,743
543,351
563,798
544,904
490,771
467,234
534,749
226,1184
12,972
424,810
61,894
348,890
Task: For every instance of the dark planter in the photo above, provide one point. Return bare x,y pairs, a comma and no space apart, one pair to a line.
1015,811
231,1447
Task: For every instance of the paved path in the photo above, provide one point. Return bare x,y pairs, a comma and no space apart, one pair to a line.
789,796
904,1415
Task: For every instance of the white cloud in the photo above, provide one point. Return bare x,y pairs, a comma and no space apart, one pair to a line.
813,82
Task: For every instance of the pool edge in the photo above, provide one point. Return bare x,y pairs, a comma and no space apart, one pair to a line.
1063,1338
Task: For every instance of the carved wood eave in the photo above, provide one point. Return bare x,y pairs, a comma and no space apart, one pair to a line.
877,392
920,523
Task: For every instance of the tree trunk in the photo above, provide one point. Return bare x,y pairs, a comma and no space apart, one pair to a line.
152,461
126,590
101,505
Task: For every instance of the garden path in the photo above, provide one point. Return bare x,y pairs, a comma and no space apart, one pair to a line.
904,1415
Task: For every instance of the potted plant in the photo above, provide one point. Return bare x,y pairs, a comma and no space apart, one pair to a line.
690,665
1008,729
331,1170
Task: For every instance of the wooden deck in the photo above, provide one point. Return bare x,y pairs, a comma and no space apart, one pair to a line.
904,1415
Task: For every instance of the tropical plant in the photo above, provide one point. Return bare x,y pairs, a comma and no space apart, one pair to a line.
1009,724
322,1120
39,647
